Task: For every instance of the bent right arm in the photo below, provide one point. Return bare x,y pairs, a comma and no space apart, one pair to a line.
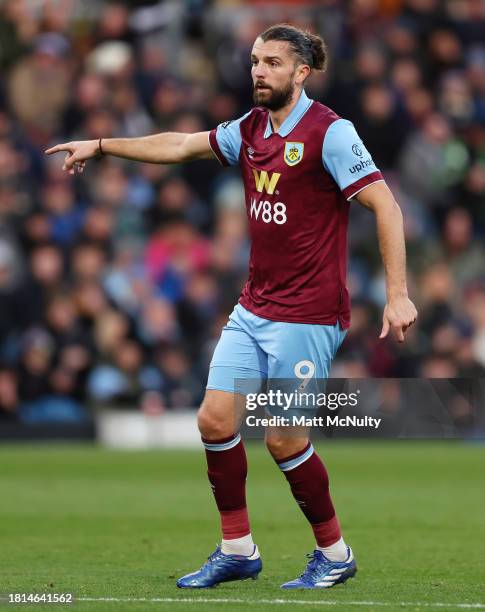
165,148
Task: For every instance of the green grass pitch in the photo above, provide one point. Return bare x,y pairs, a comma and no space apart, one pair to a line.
125,525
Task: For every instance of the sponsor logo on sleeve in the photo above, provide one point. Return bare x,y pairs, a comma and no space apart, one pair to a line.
357,150
226,123
362,165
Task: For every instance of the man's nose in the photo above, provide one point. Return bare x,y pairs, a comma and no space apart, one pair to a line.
258,70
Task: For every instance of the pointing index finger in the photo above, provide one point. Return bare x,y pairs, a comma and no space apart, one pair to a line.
56,148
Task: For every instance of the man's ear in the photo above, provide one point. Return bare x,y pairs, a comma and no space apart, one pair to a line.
302,73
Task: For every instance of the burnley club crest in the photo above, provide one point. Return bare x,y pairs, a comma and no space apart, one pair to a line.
293,153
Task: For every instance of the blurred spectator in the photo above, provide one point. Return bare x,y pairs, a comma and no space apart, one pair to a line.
180,387
64,217
45,69
9,400
125,378
433,161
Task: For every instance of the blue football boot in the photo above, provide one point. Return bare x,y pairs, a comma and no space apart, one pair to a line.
321,573
223,568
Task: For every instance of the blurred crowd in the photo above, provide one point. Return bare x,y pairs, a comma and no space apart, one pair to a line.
114,284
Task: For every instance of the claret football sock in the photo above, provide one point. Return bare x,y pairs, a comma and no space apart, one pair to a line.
308,480
227,470
335,552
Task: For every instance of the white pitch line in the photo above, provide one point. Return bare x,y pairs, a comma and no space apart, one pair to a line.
277,602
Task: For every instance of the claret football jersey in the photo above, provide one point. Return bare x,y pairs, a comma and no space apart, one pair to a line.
298,183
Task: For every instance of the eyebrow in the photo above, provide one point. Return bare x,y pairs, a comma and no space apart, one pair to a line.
266,57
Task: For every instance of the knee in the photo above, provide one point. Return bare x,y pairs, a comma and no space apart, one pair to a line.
281,446
211,425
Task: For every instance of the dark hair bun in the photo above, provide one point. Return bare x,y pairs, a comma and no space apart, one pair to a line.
319,52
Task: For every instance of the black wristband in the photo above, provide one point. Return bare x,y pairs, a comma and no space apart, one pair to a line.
100,148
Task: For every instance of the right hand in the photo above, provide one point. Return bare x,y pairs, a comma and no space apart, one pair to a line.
77,153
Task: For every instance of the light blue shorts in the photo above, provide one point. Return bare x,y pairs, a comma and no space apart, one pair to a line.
255,349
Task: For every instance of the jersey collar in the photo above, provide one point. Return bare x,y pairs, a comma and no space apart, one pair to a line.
300,108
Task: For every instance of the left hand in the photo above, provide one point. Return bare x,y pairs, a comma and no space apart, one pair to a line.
399,314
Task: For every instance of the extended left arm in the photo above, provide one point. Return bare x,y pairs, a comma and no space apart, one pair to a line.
399,312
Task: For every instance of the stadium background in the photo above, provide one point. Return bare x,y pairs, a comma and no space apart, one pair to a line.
114,284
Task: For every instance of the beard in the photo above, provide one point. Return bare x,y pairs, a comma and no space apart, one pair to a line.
273,99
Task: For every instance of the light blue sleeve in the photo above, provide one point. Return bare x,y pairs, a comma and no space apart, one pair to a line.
228,135
344,155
